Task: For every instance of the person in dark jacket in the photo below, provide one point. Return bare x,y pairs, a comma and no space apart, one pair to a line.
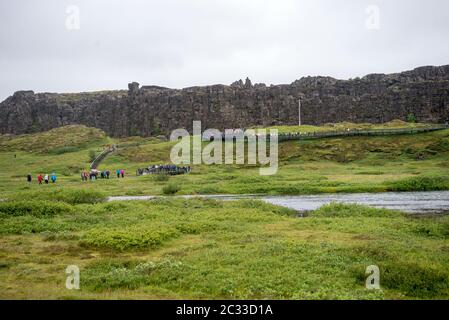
29,178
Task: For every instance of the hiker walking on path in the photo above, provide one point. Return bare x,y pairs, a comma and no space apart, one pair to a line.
46,179
93,174
40,178
107,174
118,173
53,177
29,178
122,173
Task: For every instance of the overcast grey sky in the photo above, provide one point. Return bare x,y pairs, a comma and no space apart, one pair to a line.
181,43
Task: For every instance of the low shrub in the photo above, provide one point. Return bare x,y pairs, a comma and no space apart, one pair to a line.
160,177
433,227
80,196
266,207
170,189
63,195
92,155
62,150
195,227
107,275
135,237
411,279
420,183
27,224
336,209
34,208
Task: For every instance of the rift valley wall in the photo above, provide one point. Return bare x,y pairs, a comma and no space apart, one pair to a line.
151,110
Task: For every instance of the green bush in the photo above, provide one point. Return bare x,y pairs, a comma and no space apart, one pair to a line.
436,227
266,207
107,275
411,279
33,208
64,195
195,227
336,209
80,196
170,189
160,177
92,155
411,118
135,237
62,150
420,184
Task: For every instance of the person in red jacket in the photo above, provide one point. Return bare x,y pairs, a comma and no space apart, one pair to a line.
40,178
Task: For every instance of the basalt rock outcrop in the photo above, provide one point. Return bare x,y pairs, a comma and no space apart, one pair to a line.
154,110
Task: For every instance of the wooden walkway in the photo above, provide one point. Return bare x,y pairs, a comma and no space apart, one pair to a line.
101,156
355,132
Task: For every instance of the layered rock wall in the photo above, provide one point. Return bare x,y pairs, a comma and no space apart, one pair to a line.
151,110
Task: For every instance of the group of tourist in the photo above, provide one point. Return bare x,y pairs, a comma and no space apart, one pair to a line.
105,174
120,173
42,178
97,174
164,169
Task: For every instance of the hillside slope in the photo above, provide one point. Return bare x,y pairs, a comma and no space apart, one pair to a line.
352,164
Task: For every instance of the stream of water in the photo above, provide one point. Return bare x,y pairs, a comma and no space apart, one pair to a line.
412,202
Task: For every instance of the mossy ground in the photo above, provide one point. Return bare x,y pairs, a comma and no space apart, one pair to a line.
177,248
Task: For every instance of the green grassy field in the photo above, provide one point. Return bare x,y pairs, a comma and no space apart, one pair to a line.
352,164
177,248
395,124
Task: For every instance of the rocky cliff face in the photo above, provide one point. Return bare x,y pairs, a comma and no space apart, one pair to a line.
150,110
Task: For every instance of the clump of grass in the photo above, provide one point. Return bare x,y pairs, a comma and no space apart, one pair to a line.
160,177
420,183
266,207
58,235
336,209
170,189
437,228
33,208
129,238
194,227
92,155
292,189
62,150
372,173
77,196
411,279
107,275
